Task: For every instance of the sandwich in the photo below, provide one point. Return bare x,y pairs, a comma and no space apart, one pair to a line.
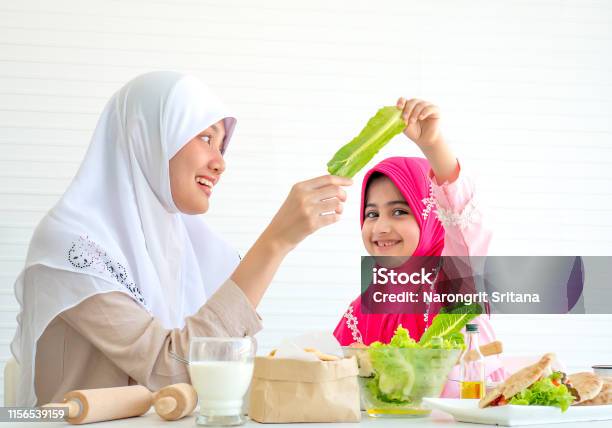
538,385
589,398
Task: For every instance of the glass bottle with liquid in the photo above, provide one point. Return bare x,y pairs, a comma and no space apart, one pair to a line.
472,366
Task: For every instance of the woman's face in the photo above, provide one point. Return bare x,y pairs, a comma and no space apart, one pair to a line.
196,168
389,227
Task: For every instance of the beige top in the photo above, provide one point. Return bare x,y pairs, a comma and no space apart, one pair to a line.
110,340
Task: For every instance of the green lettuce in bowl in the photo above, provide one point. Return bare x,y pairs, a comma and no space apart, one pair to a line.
403,372
400,373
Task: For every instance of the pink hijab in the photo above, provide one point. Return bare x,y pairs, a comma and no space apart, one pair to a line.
411,177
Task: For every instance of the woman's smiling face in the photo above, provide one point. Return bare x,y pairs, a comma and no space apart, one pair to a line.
389,226
196,168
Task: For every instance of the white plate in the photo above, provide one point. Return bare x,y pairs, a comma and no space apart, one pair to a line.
468,411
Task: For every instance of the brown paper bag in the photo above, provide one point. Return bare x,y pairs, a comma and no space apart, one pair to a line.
285,390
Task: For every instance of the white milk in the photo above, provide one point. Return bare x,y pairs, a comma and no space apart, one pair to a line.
221,385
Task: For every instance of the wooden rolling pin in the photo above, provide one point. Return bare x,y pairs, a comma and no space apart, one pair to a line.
175,401
105,404
491,348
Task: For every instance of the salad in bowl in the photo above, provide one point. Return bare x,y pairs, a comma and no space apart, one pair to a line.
394,377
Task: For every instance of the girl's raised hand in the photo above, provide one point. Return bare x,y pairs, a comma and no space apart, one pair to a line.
422,119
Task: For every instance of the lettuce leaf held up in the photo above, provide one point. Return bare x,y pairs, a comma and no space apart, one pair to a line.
349,160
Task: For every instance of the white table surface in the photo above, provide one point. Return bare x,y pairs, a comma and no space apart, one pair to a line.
436,419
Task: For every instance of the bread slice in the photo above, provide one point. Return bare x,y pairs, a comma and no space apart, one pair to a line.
588,385
604,396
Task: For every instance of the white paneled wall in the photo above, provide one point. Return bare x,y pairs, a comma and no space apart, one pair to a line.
524,87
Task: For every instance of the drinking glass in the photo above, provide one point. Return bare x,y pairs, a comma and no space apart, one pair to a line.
221,369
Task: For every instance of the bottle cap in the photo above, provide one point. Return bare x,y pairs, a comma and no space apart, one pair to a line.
471,328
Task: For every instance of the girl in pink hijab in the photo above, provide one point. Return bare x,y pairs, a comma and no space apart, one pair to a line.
418,207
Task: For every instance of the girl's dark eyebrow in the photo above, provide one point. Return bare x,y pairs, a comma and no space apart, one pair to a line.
397,202
388,204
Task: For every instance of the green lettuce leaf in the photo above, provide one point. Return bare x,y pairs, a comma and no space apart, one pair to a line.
402,339
545,393
454,340
447,325
393,375
349,160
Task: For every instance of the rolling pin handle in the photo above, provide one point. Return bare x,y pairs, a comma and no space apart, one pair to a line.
72,407
165,405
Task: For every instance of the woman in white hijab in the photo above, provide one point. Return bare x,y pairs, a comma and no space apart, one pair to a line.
122,272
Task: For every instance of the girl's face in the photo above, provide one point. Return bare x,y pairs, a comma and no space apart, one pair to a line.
196,168
389,227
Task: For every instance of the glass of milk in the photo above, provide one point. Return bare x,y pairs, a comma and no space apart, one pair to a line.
221,369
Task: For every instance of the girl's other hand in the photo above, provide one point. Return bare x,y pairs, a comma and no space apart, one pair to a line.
422,119
310,205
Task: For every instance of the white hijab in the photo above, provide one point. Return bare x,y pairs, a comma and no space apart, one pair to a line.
117,220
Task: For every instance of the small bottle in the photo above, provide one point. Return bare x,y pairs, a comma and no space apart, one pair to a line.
472,366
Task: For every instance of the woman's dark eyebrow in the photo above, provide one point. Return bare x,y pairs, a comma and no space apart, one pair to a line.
214,127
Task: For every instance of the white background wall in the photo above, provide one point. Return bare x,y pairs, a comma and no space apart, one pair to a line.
524,87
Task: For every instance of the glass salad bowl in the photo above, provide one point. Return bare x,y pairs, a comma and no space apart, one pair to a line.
394,380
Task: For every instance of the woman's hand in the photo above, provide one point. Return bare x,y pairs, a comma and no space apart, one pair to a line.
423,122
310,205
